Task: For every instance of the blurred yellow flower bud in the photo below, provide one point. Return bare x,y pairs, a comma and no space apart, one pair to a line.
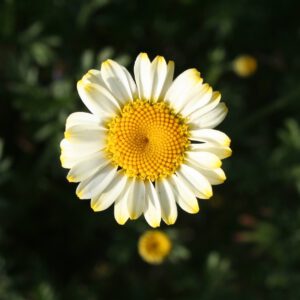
245,65
154,246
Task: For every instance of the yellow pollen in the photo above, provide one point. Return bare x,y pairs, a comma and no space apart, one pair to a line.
147,140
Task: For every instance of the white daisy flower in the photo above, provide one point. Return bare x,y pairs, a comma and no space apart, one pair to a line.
148,144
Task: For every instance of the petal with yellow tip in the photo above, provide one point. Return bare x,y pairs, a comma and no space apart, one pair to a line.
221,151
204,160
181,86
81,118
93,186
167,201
168,79
199,97
211,136
195,180
152,206
118,81
159,72
184,196
142,74
196,114
214,117
87,167
97,99
93,76
215,177
121,208
114,190
136,199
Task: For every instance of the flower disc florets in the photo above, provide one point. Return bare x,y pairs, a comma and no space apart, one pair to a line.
147,140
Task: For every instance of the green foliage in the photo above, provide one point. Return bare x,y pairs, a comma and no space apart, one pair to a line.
244,243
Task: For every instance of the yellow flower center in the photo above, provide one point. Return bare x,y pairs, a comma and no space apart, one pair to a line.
147,140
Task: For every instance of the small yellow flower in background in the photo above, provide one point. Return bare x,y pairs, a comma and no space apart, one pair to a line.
148,144
154,246
245,65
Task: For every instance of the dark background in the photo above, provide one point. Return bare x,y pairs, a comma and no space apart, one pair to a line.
244,243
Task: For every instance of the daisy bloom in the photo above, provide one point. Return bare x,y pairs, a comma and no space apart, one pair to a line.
154,246
245,65
147,144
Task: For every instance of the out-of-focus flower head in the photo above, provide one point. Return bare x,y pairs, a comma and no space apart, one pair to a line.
244,65
154,246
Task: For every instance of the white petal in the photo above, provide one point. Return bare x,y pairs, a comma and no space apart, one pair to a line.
158,75
80,141
152,211
195,115
85,133
221,151
72,153
205,160
195,180
185,197
214,117
97,99
196,98
81,118
216,176
94,185
131,83
116,79
86,167
213,175
169,79
93,76
73,147
68,161
110,194
212,136
180,86
121,208
167,201
136,199
142,74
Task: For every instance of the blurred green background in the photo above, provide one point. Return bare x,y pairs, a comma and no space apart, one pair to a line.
245,242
